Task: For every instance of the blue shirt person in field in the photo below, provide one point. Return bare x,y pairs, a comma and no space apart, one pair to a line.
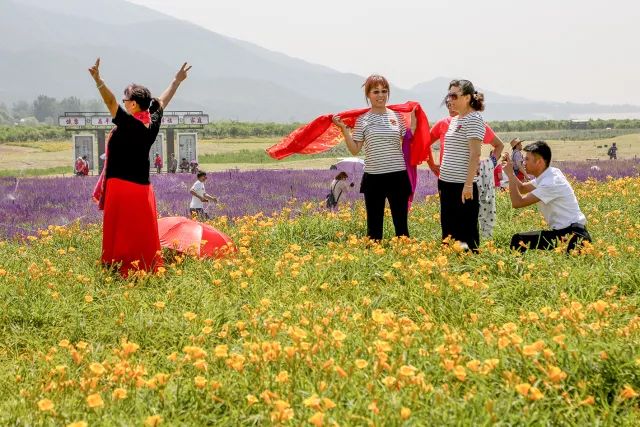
555,199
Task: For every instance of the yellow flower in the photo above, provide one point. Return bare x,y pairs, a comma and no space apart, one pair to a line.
389,381
207,330
159,305
78,424
316,419
407,371
338,335
88,298
97,368
119,394
153,421
282,377
523,389
628,392
590,400
361,363
473,365
46,405
129,348
189,316
312,401
460,373
556,374
405,413
200,382
328,403
535,394
221,351
95,401
251,399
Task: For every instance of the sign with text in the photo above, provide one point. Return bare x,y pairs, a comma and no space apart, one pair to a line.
72,121
196,119
100,121
170,120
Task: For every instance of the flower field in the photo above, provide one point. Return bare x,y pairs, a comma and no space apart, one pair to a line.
309,324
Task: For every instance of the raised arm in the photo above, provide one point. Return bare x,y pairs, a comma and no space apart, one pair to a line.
168,93
107,96
353,146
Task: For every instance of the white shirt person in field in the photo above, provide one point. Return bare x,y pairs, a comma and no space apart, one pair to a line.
199,196
555,198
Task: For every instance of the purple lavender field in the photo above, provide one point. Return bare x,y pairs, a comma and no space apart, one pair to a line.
30,204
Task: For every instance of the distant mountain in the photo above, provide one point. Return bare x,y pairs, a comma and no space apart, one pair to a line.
48,47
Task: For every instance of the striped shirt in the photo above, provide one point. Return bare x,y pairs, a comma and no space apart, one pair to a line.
455,161
382,135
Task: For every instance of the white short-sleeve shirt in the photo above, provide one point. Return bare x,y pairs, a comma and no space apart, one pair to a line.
558,204
198,188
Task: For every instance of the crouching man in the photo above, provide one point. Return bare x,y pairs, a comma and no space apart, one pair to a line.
555,198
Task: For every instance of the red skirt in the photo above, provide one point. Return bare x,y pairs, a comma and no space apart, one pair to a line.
130,227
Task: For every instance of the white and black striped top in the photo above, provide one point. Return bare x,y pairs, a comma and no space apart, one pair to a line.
382,135
455,161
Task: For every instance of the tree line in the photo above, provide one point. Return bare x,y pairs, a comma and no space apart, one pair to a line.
35,121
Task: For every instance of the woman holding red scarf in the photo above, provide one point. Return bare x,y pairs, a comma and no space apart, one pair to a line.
130,227
380,132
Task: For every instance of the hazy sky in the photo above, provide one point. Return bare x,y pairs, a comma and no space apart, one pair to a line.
560,50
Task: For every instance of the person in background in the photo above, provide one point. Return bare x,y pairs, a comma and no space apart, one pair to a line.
193,167
380,132
557,202
612,152
338,186
184,165
130,239
79,166
199,196
157,162
85,167
457,187
173,163
517,158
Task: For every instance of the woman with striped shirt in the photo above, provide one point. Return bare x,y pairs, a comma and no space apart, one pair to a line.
380,132
459,205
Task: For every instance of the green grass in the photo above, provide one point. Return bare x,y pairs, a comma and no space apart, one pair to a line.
58,170
260,156
305,303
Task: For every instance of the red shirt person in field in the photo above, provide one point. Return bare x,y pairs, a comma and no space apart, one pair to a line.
130,228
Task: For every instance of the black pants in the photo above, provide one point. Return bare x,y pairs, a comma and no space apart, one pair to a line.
459,220
548,239
395,187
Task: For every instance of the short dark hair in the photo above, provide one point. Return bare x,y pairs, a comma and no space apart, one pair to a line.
142,95
342,175
540,148
201,174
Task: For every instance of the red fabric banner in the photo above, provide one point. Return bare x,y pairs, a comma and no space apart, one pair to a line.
320,135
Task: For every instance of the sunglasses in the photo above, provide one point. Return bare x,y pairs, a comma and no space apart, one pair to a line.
453,96
125,100
378,92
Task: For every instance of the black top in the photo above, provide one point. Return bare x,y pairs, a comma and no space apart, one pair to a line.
129,147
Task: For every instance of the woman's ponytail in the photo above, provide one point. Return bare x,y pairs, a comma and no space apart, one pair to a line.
155,105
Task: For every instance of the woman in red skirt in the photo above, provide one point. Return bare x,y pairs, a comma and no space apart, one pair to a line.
130,227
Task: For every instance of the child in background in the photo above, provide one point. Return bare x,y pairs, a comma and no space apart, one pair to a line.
199,196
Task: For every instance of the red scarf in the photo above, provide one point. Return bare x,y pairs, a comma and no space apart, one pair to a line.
101,185
319,135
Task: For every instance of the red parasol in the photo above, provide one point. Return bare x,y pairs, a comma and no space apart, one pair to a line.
186,235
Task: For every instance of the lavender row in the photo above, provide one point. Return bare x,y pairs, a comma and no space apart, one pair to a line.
29,204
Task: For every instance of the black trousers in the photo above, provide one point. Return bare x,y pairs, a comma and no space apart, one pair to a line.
392,186
459,220
548,239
